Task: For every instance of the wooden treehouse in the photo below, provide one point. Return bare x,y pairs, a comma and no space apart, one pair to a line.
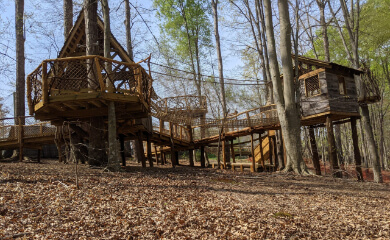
327,89
78,87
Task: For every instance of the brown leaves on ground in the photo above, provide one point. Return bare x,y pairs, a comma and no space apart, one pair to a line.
40,201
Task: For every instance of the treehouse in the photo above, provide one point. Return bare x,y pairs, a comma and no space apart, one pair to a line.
327,89
78,87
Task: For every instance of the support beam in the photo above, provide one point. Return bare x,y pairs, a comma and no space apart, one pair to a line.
224,157
149,150
314,150
202,158
332,148
122,143
140,150
156,154
356,151
191,157
232,151
177,158
253,167
39,156
261,152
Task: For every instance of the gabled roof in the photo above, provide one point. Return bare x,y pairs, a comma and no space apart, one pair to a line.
75,42
325,64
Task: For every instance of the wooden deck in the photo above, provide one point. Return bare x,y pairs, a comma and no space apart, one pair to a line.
73,88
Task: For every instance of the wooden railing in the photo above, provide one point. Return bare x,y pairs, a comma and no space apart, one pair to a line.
257,117
64,76
177,131
24,127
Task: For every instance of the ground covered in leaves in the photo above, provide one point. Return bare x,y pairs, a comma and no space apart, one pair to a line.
41,201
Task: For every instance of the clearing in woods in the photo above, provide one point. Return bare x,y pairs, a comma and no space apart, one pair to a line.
42,201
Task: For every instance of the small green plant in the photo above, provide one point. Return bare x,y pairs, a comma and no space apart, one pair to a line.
283,215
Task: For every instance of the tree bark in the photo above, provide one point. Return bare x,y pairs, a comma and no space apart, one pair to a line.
20,62
356,151
314,149
96,152
332,148
285,96
68,17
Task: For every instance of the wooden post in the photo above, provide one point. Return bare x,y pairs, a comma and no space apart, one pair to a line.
191,139
161,126
232,151
332,148
163,160
140,151
224,152
122,143
356,151
39,155
313,144
156,154
173,161
253,167
191,157
261,151
45,84
202,158
20,138
149,150
177,158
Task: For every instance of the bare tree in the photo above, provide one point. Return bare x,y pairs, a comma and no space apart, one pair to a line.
284,96
68,16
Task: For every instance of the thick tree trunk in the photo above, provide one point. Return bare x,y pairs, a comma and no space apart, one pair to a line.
96,152
376,166
358,158
113,153
285,96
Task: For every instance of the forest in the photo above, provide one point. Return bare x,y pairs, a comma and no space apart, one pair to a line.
194,119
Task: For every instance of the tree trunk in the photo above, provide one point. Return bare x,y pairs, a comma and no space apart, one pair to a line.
20,61
371,143
314,149
285,96
68,17
332,148
96,152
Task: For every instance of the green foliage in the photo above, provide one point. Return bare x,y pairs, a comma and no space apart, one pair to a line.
187,24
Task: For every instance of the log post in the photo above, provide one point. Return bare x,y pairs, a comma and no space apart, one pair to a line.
173,161
177,158
140,150
232,151
253,167
191,139
39,155
313,144
224,152
149,149
163,160
356,151
20,138
122,143
332,148
202,158
156,154
45,84
261,151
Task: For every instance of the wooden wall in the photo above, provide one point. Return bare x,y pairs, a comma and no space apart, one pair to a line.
330,98
316,104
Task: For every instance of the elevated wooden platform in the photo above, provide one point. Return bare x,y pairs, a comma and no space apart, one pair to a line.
78,88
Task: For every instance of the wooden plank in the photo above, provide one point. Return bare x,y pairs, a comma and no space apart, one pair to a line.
312,73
